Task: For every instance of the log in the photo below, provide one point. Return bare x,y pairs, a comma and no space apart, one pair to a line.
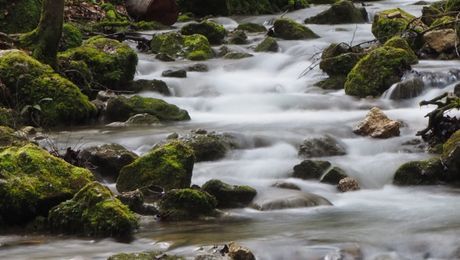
163,11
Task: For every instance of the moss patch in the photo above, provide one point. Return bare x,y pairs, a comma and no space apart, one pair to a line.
193,47
19,16
186,204
291,30
215,33
251,27
229,196
390,23
427,172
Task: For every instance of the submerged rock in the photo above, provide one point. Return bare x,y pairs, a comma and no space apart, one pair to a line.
288,29
186,204
238,37
237,55
286,185
214,32
269,44
311,169
229,196
348,184
151,85
154,255
296,200
333,176
321,147
199,67
377,125
407,89
180,73
339,13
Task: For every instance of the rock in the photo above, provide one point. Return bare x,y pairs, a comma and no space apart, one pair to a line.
229,196
198,67
59,99
269,44
151,85
339,60
215,33
154,255
442,40
122,108
19,17
113,64
377,125
398,42
142,119
407,89
341,12
428,172
192,47
297,200
164,57
321,147
310,169
222,51
377,71
286,185
393,22
237,252
186,204
333,176
107,160
238,37
174,73
288,29
451,157
251,27
237,55
71,37
348,184
457,90
33,181
169,166
135,202
93,211
334,82
208,146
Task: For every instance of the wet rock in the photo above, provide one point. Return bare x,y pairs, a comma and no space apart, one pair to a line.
135,201
377,125
186,204
169,166
174,73
237,55
151,85
238,252
154,255
334,82
215,33
107,160
199,67
269,44
348,184
142,119
223,51
340,13
407,89
310,169
105,95
172,136
297,200
285,185
193,47
288,29
457,90
333,176
339,60
391,22
321,147
399,42
441,40
238,37
428,172
229,196
164,57
208,146
251,27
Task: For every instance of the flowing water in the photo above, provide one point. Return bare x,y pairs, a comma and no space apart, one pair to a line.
263,102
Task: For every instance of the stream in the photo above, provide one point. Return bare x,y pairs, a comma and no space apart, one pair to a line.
263,102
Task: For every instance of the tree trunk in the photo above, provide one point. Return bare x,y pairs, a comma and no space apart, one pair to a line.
44,40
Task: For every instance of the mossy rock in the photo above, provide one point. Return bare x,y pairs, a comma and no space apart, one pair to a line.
341,64
389,23
169,166
209,146
288,29
193,47
121,108
145,256
450,144
431,13
238,37
30,82
269,44
112,63
377,71
398,42
71,37
34,181
7,117
251,27
8,138
311,169
186,204
78,72
93,211
342,12
332,83
229,196
214,32
428,172
19,16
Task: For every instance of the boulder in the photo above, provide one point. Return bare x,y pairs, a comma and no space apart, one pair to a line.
348,184
198,67
151,85
169,166
295,200
112,63
135,202
341,12
193,47
399,42
238,252
333,82
393,22
164,57
285,185
288,29
19,16
321,147
377,125
229,196
142,119
186,204
107,160
60,101
333,176
121,108
442,40
71,37
251,27
93,211
214,32
428,172
407,89
180,73
311,169
377,71
208,146
269,44
33,181
339,59
238,37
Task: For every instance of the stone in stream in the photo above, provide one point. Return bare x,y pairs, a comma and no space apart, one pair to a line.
151,85
164,57
180,73
407,89
321,147
392,22
198,67
348,184
341,12
208,146
229,196
237,55
142,119
377,125
288,29
293,199
238,37
192,47
442,40
238,252
148,255
311,169
451,157
251,27
428,172
214,32
333,176
269,44
285,185
135,201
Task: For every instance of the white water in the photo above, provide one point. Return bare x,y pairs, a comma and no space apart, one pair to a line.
262,100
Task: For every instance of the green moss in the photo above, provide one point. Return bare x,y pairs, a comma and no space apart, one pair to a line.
112,63
443,20
193,47
30,81
187,17
451,143
19,16
186,204
93,211
79,73
377,71
269,44
169,166
427,172
340,13
8,138
251,27
33,181
398,42
229,196
71,37
290,30
385,27
197,47
215,33
341,64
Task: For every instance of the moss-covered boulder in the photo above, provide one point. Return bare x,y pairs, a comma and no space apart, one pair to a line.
214,32
112,63
93,211
121,108
339,59
451,157
291,30
251,27
169,165
340,13
8,138
311,169
377,71
186,204
19,16
33,181
334,82
428,172
193,47
208,146
398,42
71,37
30,83
391,23
229,196
269,44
